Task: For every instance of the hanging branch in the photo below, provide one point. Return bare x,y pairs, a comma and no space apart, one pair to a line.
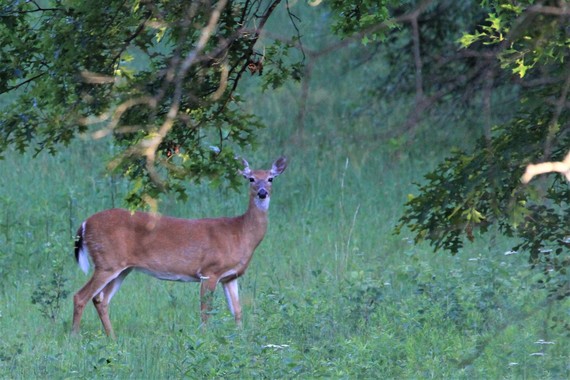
562,167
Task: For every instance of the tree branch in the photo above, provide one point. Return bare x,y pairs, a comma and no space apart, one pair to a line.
562,167
254,40
130,38
150,145
8,89
315,55
563,10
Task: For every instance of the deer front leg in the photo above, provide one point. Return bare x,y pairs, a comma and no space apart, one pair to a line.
232,297
207,287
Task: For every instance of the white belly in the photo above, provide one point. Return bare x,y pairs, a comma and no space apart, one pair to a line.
169,276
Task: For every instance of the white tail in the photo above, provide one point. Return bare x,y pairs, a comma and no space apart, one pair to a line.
208,251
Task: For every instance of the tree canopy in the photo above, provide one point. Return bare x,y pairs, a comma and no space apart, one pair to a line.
174,112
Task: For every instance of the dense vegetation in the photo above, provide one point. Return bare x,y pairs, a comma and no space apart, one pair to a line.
332,291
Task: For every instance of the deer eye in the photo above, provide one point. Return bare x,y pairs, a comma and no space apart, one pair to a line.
251,179
270,179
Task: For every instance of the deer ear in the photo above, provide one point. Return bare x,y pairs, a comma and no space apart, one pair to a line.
246,172
278,166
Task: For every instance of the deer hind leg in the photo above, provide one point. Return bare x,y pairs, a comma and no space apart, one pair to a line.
103,298
232,297
93,287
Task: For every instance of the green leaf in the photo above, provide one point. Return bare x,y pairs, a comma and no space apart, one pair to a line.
520,68
467,39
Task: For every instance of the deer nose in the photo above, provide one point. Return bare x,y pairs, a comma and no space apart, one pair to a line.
262,193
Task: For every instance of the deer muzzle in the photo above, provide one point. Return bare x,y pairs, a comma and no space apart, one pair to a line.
262,193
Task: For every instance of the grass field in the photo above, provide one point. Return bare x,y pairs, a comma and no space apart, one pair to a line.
331,291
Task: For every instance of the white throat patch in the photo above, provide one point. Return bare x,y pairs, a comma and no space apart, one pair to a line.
262,204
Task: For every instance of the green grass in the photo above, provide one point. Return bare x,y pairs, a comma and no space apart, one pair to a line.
331,292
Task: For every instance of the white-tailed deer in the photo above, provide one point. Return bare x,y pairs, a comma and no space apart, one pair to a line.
208,251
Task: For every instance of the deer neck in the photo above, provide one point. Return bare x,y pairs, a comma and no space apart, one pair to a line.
255,219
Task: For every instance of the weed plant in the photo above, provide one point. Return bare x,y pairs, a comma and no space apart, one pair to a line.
51,290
